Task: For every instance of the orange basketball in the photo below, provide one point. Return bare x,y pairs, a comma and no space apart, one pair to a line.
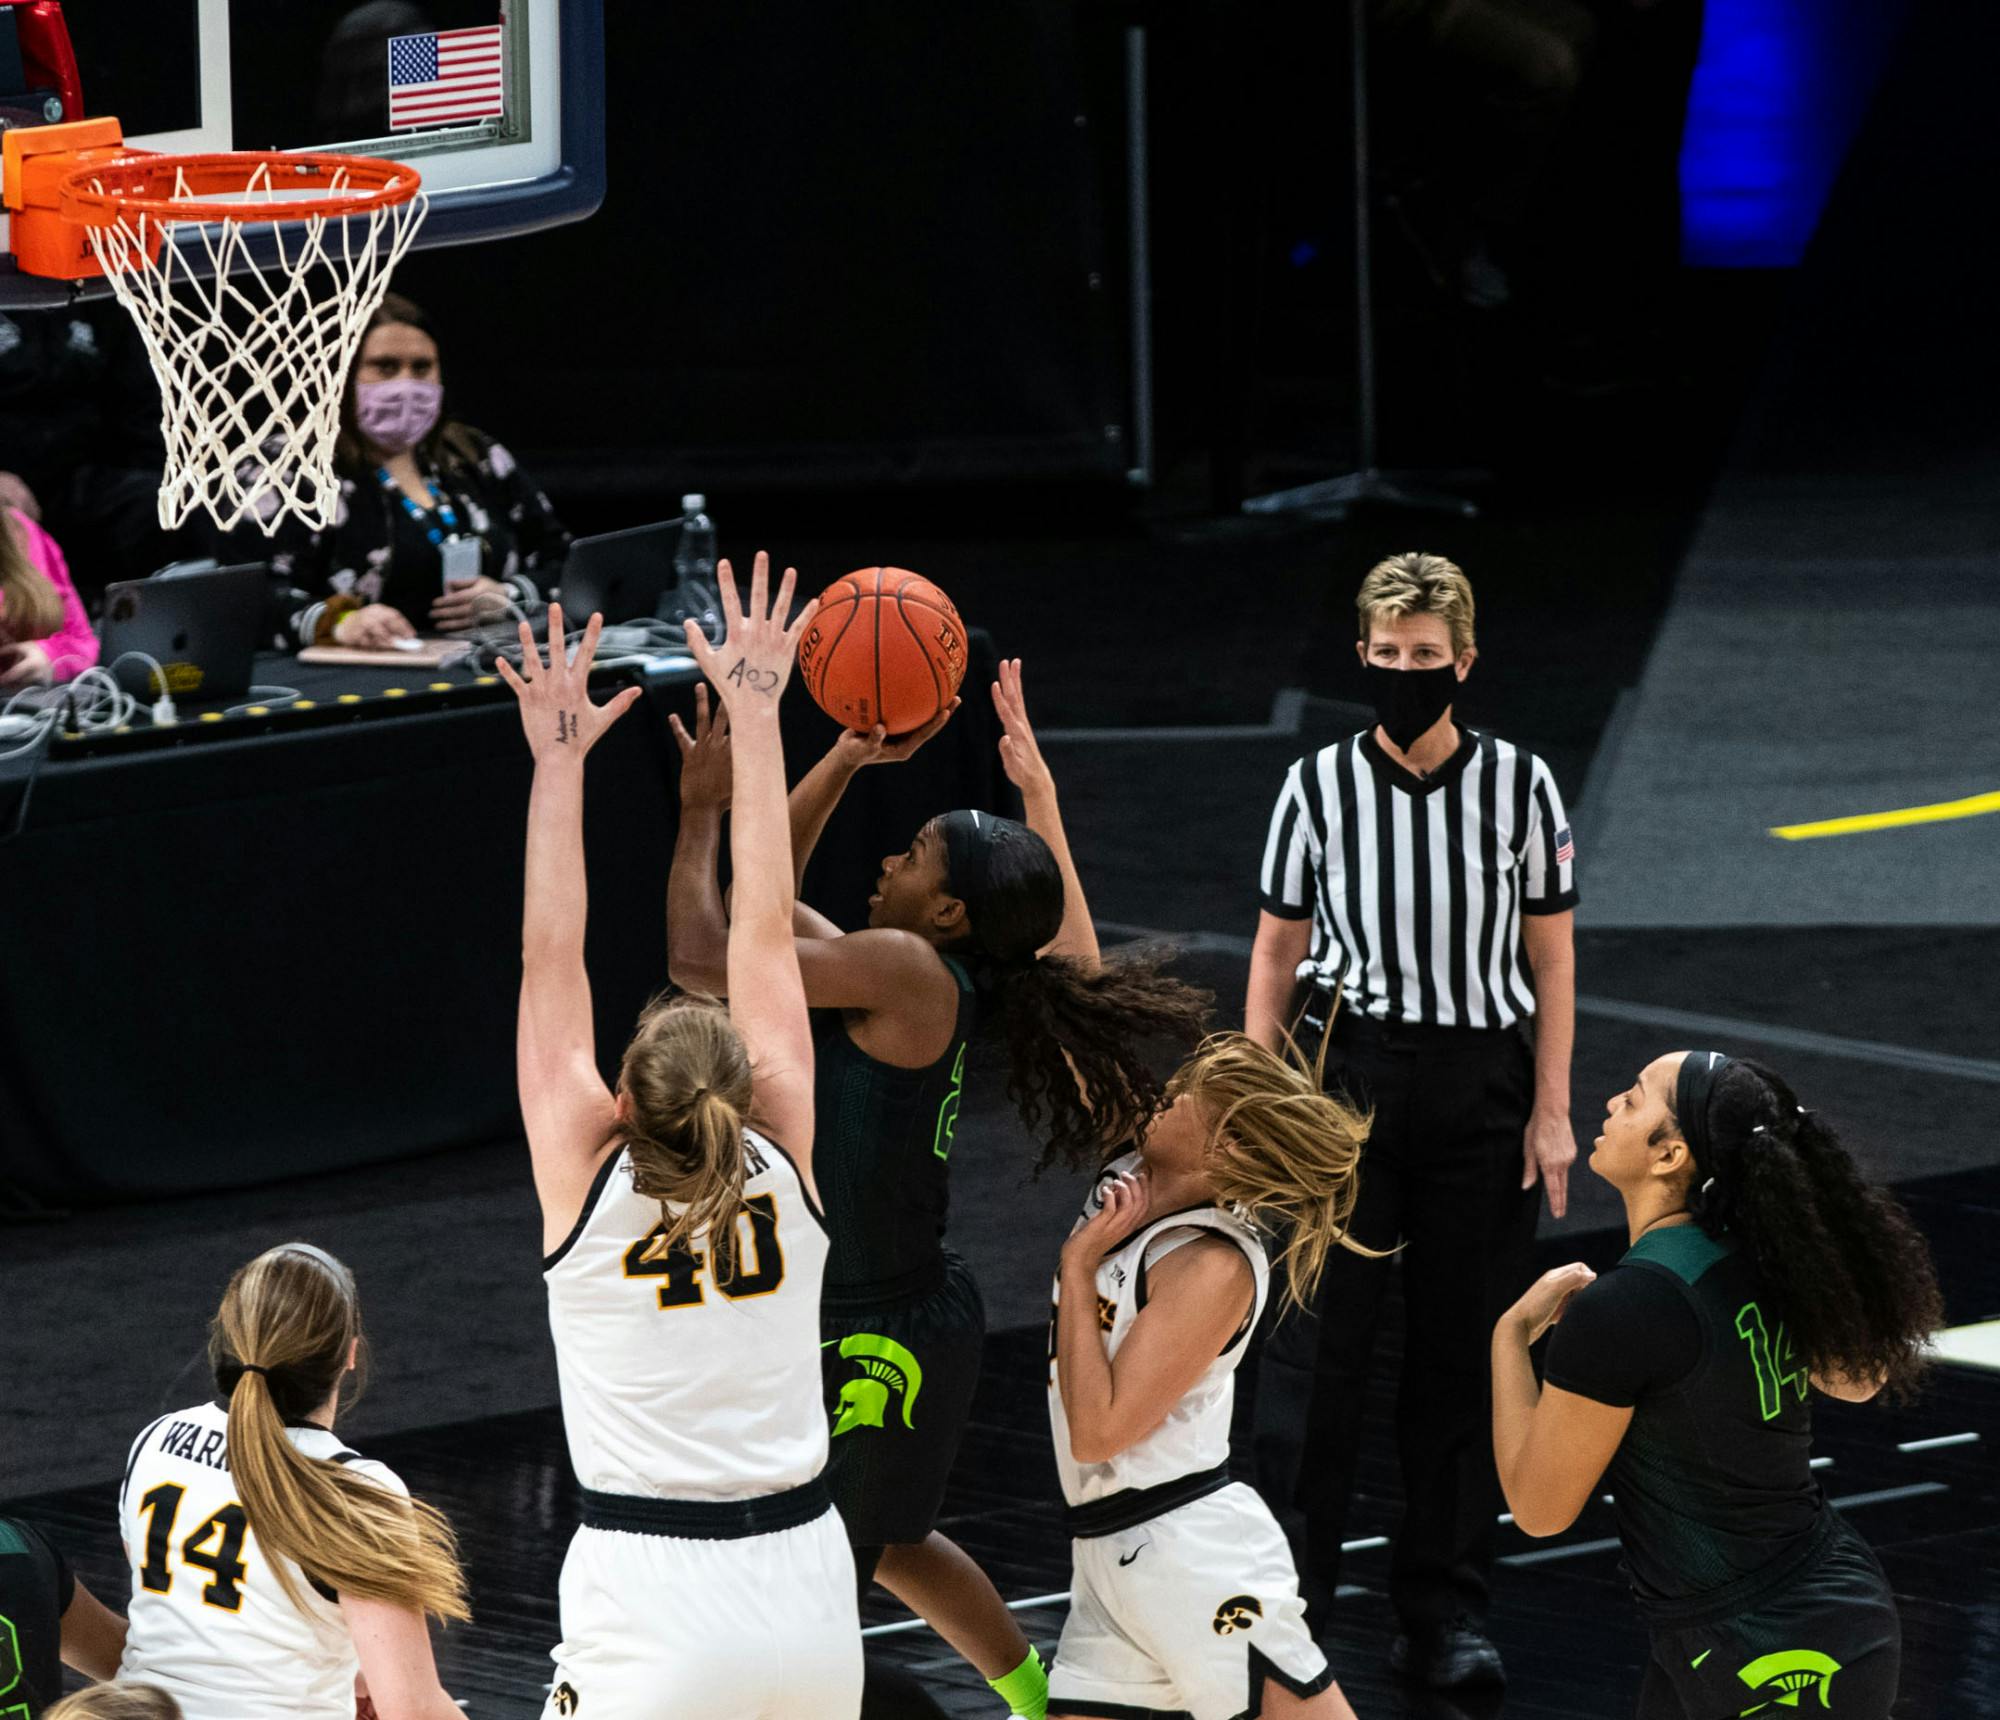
886,647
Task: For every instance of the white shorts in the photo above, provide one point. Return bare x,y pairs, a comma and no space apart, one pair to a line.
660,1627
1189,1612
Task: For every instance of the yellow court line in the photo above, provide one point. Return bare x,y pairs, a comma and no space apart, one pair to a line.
1971,807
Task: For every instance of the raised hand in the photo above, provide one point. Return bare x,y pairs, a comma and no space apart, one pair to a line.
855,749
754,661
1020,755
556,712
706,765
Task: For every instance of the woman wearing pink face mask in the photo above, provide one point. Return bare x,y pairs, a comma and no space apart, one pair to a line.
437,529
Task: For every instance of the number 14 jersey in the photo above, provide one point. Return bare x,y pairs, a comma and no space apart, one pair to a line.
209,1620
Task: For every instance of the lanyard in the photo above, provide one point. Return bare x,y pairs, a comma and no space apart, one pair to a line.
439,510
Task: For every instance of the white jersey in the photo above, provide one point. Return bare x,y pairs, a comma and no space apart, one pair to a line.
684,1377
1195,1435
209,1622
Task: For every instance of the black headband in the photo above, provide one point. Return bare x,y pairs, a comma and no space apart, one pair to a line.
970,841
1700,1070
968,848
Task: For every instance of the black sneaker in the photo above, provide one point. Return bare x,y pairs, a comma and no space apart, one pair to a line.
1447,1657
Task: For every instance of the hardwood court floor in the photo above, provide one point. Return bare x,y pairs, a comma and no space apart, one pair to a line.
1920,1483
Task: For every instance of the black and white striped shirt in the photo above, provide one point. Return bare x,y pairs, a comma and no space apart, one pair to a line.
1416,885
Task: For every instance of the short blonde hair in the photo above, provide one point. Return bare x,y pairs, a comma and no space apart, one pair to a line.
1417,584
116,1702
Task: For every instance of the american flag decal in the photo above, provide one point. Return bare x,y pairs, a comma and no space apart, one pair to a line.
448,78
1565,848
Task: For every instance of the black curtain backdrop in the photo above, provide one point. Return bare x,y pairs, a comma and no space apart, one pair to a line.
300,950
863,242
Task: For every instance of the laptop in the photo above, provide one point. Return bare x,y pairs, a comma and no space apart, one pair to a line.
201,628
620,575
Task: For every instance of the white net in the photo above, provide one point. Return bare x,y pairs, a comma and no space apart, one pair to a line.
251,333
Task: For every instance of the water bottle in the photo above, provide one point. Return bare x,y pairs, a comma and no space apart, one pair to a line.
695,594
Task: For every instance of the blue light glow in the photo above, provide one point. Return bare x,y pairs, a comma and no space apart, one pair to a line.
1781,90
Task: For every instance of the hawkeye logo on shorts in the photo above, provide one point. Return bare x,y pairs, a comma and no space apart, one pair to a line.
1239,1612
885,1367
1788,1676
566,1699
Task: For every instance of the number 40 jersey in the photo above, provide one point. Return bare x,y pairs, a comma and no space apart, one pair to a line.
692,1372
209,1620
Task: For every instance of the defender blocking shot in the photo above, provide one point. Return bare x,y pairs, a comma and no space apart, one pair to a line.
684,1248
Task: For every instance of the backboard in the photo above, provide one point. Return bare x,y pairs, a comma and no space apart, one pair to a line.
499,104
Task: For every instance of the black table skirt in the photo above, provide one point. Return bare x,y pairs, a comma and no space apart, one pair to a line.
287,944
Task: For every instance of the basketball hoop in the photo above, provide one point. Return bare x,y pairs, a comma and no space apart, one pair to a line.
251,276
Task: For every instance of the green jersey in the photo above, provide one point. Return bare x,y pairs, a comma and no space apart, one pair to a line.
882,1140
1713,1480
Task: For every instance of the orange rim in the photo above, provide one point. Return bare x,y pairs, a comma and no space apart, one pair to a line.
108,192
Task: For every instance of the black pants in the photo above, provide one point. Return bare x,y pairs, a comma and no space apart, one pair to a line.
1442,1174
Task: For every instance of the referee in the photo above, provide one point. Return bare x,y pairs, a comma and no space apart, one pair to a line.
1421,876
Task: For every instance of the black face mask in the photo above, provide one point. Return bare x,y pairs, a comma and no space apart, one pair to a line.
1408,701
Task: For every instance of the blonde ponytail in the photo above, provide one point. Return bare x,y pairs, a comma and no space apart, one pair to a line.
30,605
279,1346
686,1083
1286,1153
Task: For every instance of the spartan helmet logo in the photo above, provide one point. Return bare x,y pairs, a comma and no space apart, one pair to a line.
565,1699
1784,1679
885,1366
1239,1612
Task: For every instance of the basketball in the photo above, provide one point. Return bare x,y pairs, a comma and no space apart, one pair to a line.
886,647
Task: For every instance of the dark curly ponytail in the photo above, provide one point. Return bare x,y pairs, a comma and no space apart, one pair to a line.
1078,1040
1843,1259
1078,1044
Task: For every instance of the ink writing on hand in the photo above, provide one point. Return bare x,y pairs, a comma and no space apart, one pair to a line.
763,681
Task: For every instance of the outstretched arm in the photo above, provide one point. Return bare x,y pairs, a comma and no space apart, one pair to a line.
1021,758
767,999
818,792
564,1102
697,921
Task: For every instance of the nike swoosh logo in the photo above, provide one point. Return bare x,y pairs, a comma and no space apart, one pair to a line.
1699,1658
1129,1557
